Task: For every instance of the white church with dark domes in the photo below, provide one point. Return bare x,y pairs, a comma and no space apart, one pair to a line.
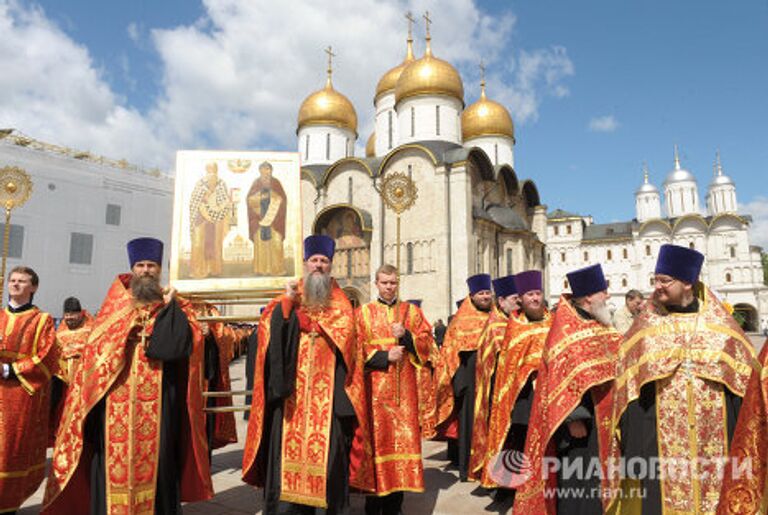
627,250
473,213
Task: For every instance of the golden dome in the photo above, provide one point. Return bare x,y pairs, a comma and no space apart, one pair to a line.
370,146
429,76
486,118
328,107
388,81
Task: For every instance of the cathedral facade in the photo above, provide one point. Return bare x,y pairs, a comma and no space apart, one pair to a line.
472,212
627,250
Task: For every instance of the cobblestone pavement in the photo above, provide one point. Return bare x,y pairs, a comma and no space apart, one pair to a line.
444,494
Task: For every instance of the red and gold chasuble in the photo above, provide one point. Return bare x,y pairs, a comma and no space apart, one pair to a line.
579,355
692,358
70,343
519,358
27,345
747,491
114,367
464,333
309,409
487,356
225,428
392,396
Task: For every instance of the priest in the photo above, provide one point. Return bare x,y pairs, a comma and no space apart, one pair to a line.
133,430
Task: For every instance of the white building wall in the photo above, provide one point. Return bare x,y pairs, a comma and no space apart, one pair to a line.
386,125
498,148
71,195
647,206
323,145
418,119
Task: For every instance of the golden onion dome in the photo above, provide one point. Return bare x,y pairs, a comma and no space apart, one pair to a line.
328,107
429,76
370,146
388,81
486,118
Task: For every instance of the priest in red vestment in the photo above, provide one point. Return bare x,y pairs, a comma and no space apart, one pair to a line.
455,373
28,360
395,340
745,480
308,400
132,438
682,372
570,420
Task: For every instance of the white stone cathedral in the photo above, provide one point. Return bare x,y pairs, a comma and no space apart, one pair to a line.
472,214
627,250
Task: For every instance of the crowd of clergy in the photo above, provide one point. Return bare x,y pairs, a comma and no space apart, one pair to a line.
549,410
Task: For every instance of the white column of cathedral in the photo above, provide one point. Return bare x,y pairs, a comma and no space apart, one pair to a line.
721,196
680,191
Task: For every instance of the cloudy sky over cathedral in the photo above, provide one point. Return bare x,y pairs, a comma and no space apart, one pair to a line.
595,88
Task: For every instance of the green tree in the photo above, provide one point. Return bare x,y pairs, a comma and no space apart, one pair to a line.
764,258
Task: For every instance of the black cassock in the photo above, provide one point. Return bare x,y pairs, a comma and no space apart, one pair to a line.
463,383
171,343
279,383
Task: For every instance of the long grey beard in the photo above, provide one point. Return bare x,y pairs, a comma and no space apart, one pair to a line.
317,290
146,288
602,314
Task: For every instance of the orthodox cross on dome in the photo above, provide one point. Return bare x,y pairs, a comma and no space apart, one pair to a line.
645,172
331,55
411,21
482,78
428,38
718,169
677,158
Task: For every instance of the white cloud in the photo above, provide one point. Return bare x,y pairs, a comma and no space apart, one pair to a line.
606,123
235,78
758,209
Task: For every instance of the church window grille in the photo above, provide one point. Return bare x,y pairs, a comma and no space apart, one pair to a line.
609,254
409,258
437,119
625,253
15,240
728,277
328,145
562,257
306,147
389,130
413,121
80,248
509,261
113,214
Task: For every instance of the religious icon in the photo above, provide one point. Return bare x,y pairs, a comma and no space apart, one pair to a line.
233,226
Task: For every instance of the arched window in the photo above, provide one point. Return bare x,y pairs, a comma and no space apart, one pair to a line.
389,130
306,147
565,284
328,145
625,253
437,120
409,258
691,245
509,261
733,252
557,230
495,153
728,277
623,283
413,121
647,250
569,229
562,257
586,256
609,254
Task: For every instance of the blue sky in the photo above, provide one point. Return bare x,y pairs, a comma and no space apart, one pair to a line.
595,87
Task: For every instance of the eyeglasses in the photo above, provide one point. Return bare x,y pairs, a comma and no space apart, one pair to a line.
664,282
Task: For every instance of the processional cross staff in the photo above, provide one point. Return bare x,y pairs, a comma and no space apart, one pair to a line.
15,189
399,193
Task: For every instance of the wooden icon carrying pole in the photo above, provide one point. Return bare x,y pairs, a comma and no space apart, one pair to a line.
15,189
399,193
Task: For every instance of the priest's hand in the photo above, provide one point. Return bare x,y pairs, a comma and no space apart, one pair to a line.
169,294
577,429
395,354
205,328
398,330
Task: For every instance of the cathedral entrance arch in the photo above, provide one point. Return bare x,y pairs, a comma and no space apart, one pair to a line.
351,229
746,315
